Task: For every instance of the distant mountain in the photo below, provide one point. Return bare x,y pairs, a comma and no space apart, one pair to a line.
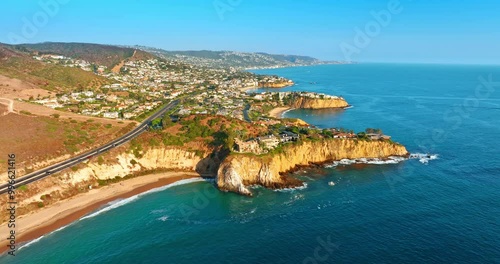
106,55
110,56
238,60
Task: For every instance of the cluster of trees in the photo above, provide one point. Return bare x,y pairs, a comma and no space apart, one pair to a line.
194,129
373,131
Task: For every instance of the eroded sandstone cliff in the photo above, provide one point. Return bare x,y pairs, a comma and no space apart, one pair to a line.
275,84
125,164
239,171
318,103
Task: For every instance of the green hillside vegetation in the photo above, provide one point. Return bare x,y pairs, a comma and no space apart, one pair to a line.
19,65
106,55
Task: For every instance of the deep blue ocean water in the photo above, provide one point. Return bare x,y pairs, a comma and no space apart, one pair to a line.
445,210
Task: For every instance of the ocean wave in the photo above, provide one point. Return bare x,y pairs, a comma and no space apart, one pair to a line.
424,158
284,112
116,204
158,211
294,198
119,203
374,161
304,186
32,242
163,218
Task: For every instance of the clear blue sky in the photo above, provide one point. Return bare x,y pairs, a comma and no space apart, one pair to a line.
445,31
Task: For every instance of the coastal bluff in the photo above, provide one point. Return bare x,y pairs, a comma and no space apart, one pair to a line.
276,84
303,102
238,171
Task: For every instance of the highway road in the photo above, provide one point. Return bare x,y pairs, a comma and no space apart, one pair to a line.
40,174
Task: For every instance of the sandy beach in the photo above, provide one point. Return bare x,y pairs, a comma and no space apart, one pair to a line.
244,89
53,217
278,111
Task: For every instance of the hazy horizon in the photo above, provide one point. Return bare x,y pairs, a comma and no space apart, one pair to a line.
389,31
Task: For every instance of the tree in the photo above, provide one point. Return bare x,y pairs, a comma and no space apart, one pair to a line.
156,123
373,131
166,121
327,133
361,135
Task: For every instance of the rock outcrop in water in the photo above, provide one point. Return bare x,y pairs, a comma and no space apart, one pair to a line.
239,171
277,84
317,103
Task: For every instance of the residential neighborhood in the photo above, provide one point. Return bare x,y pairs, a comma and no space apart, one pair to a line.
140,86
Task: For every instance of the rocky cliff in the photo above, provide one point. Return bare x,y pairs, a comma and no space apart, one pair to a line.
318,103
124,164
275,84
117,164
239,171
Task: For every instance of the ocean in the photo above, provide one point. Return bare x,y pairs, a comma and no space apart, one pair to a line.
441,206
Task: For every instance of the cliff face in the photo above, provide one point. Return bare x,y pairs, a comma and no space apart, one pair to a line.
152,159
238,171
317,103
275,84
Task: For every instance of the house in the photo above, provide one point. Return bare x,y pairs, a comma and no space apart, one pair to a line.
287,136
184,111
269,141
343,135
250,146
113,115
376,136
128,115
373,136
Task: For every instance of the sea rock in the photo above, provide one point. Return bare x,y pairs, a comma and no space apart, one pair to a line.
318,103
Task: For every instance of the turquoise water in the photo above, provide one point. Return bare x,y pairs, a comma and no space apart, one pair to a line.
444,210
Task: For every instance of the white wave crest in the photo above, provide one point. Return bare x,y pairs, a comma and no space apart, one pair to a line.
32,242
424,158
375,161
304,186
163,218
118,203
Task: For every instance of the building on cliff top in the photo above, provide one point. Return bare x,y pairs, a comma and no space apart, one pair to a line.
269,141
376,136
287,136
250,146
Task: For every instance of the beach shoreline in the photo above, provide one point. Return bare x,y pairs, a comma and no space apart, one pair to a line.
44,221
249,88
278,112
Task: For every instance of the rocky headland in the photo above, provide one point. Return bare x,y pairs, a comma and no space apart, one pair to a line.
238,171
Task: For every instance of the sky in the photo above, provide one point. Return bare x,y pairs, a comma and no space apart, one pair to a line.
424,31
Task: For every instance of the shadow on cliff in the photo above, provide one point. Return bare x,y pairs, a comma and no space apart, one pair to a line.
209,165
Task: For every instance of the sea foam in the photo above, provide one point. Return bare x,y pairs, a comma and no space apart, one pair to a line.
116,204
424,158
375,161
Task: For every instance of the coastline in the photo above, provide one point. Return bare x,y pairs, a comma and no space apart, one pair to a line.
246,89
65,212
278,112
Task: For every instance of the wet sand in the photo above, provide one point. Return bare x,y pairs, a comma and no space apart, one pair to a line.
278,112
